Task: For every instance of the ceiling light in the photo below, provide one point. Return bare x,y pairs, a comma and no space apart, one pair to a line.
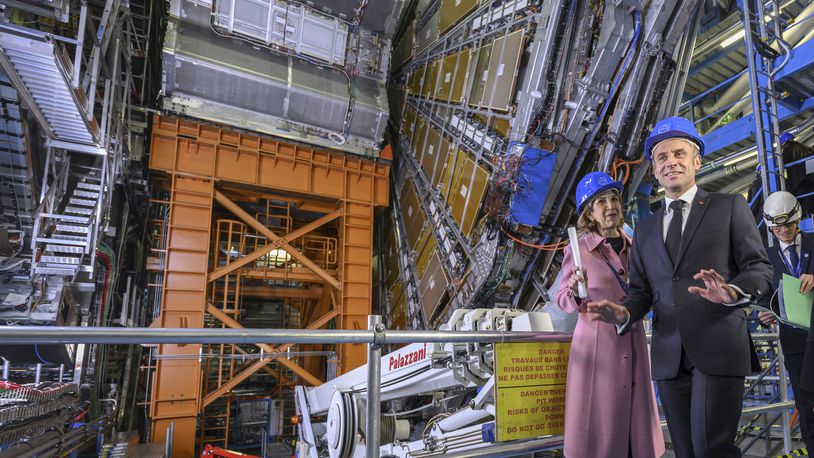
737,36
738,159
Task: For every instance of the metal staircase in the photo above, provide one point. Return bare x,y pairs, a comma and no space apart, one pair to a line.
42,76
66,224
66,221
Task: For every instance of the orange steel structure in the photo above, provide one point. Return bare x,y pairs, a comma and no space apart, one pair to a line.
208,165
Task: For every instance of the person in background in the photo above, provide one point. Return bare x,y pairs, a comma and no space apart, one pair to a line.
695,263
798,181
610,407
791,255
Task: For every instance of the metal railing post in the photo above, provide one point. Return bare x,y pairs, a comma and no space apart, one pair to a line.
374,379
168,440
784,395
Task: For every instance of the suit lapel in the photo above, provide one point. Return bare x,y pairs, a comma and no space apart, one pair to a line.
699,208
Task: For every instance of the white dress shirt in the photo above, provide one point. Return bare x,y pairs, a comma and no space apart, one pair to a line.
687,198
783,246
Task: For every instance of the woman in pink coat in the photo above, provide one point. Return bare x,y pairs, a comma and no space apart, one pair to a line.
610,407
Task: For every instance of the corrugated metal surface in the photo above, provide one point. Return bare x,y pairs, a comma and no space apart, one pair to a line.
45,78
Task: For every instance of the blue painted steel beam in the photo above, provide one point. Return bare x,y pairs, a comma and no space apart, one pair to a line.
712,58
744,127
801,60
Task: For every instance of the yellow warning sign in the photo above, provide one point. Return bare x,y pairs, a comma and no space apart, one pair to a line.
530,389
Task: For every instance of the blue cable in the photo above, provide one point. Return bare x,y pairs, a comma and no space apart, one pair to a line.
37,351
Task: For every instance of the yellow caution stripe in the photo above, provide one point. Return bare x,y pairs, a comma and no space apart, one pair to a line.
793,453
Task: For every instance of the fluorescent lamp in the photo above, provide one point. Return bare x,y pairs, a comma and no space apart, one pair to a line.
737,36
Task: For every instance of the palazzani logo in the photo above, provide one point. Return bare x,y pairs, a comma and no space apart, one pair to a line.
400,360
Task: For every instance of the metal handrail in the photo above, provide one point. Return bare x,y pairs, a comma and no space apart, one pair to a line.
102,335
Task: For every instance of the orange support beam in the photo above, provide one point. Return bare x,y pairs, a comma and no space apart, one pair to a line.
294,274
280,242
260,364
176,389
191,148
262,229
357,279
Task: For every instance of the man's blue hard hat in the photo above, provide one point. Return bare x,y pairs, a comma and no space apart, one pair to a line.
592,185
674,127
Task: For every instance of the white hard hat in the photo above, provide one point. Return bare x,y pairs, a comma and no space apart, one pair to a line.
781,207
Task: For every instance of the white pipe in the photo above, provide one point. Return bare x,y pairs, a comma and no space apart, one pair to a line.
740,88
462,418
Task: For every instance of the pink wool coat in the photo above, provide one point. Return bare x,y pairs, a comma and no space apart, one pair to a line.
609,395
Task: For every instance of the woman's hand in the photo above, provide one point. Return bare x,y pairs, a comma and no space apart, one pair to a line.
577,275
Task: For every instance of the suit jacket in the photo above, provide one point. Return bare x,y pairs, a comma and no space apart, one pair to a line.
792,339
719,234
807,373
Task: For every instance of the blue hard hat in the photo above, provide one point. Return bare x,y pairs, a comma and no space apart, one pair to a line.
786,137
674,127
592,185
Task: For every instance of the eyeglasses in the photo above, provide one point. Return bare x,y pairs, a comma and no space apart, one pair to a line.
788,225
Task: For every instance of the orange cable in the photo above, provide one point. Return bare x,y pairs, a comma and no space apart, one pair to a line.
552,247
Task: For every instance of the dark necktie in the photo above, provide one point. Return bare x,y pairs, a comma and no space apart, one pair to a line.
673,240
793,258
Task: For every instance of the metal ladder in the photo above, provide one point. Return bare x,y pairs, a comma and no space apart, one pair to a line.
760,57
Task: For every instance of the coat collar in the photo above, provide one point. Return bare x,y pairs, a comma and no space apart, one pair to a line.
594,240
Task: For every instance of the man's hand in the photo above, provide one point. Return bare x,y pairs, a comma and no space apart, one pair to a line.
609,312
767,318
716,288
806,283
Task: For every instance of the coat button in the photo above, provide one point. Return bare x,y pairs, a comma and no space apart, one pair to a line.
621,271
676,278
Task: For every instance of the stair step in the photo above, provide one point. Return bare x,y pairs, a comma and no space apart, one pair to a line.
62,239
73,228
67,260
64,249
83,202
50,270
79,210
86,194
70,218
89,186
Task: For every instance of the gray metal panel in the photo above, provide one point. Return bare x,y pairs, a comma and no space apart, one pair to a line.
428,33
15,176
286,24
267,92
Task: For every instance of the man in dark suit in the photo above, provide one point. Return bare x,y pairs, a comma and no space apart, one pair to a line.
792,255
696,262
